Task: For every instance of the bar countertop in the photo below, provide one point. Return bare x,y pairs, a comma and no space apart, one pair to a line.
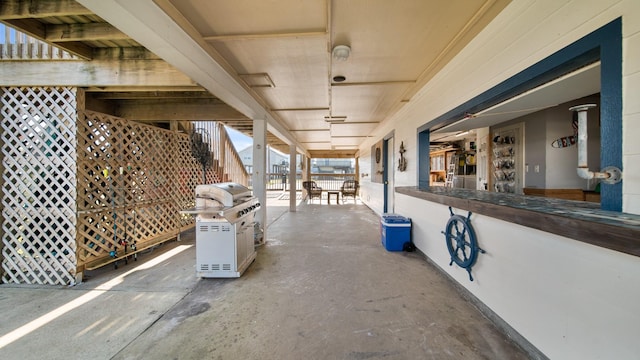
579,220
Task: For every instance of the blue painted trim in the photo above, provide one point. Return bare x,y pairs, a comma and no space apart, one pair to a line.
385,169
611,113
424,164
385,173
604,44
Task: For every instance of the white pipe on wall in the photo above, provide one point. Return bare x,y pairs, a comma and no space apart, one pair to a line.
610,175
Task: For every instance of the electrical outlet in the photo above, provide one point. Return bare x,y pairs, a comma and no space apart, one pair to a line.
536,168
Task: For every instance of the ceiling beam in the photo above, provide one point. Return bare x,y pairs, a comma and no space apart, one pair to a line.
235,37
16,9
308,130
303,109
326,154
96,73
132,89
124,53
83,32
371,83
152,95
77,48
182,109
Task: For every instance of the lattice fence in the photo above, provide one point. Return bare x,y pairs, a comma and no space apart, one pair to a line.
39,185
80,188
133,180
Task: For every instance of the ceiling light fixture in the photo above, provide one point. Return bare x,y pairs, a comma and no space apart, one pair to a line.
339,78
462,133
332,119
341,52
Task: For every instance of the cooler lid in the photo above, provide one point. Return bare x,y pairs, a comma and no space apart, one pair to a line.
395,219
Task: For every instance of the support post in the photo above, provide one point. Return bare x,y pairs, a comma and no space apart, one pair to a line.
259,172
292,178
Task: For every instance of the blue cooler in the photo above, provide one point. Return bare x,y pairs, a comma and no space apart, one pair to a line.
395,231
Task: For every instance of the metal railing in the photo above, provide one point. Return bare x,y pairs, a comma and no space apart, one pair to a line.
332,182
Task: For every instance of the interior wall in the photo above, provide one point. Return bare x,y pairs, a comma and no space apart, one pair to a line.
562,163
535,150
557,166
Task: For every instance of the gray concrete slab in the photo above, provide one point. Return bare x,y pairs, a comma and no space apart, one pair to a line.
96,319
322,287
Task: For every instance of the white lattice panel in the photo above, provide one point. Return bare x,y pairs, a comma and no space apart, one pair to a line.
39,185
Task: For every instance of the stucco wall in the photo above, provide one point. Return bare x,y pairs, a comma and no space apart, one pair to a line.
569,299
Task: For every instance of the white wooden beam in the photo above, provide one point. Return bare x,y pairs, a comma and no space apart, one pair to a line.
236,37
260,171
292,178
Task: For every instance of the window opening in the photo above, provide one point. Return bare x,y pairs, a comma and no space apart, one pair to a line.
598,52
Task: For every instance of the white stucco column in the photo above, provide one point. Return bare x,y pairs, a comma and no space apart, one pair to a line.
292,178
258,177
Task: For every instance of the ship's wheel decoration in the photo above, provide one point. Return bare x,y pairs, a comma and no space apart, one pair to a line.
461,241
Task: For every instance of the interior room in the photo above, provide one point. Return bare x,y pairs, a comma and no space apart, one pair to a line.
525,145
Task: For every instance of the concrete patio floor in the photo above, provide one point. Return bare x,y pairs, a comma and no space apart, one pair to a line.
322,287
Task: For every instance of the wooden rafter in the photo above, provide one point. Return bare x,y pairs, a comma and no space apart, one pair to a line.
129,80
96,73
37,29
154,95
26,17
18,9
178,109
83,32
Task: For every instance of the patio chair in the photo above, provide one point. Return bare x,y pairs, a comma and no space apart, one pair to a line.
312,190
349,188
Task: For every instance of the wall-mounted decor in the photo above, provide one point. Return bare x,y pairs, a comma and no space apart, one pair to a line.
461,241
377,168
402,163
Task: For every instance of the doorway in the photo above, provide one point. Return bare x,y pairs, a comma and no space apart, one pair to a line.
388,173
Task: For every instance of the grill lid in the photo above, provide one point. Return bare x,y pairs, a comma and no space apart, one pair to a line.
227,194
